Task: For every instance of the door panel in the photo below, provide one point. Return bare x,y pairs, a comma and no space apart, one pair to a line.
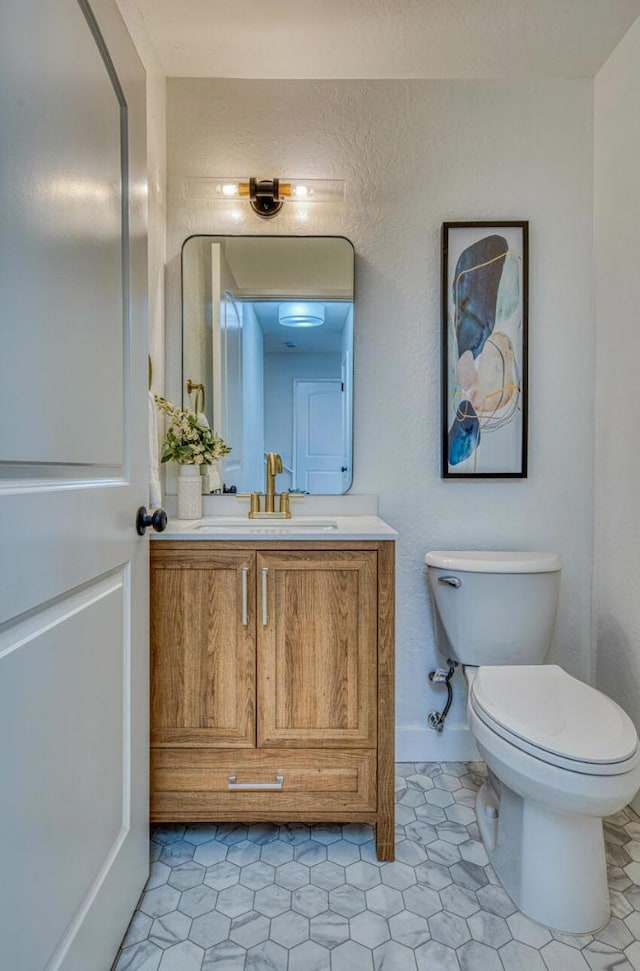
48,662
73,470
317,650
62,194
203,663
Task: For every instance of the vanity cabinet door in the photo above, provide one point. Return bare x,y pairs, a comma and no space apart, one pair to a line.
317,648
203,662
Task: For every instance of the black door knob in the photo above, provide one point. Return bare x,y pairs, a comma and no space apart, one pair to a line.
343,468
157,519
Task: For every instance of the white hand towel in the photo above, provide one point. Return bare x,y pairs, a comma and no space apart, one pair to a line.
155,490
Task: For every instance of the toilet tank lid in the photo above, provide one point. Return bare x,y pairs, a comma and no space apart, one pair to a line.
494,561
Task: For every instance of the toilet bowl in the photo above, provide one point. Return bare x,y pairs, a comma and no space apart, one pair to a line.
561,755
542,822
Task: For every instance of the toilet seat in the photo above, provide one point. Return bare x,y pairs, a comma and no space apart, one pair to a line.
544,711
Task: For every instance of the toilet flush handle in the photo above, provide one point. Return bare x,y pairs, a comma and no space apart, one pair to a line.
450,581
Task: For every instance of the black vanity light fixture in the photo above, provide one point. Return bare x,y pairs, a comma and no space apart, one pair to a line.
265,196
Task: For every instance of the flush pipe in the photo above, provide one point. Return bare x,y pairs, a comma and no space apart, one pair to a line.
436,719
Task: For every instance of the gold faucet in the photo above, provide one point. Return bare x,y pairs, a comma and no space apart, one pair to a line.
274,467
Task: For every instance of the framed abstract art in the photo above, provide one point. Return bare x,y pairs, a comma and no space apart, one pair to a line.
484,349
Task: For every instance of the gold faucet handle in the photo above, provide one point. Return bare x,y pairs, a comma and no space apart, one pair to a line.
284,505
254,504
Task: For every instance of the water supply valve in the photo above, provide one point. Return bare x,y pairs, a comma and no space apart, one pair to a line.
436,719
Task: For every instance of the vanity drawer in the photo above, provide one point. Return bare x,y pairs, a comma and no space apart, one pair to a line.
192,784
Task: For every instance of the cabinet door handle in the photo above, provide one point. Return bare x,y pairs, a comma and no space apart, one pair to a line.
265,614
245,595
234,785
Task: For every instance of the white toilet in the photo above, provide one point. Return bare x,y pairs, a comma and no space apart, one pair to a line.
560,754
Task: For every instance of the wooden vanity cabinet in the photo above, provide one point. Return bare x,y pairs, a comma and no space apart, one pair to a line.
272,666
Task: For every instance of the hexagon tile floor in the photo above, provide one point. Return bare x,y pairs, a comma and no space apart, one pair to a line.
300,898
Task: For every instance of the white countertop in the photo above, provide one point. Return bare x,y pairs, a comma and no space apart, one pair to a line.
325,528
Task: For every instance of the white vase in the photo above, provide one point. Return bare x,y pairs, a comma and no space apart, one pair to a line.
215,481
189,493
210,478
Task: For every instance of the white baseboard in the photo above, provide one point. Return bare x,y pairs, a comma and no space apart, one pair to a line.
454,744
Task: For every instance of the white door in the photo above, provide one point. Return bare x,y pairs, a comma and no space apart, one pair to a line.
73,571
317,435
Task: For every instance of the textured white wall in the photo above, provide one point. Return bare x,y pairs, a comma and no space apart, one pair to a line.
415,153
617,466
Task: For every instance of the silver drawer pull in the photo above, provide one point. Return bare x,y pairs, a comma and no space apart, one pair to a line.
451,581
265,614
245,597
232,784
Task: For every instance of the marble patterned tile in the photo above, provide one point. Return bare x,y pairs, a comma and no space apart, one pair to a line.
393,956
186,875
329,929
222,875
489,929
289,929
309,901
199,833
170,929
198,901
272,901
347,900
249,929
267,956
309,957
210,929
160,901
234,901
449,929
143,956
257,875
475,956
327,875
210,852
410,929
295,897
369,929
384,900
521,957
243,853
226,956
351,957
138,929
434,955
185,956
176,853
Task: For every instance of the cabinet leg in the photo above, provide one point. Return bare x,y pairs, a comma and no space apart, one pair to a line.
385,838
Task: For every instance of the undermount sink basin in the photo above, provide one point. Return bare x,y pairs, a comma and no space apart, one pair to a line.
297,525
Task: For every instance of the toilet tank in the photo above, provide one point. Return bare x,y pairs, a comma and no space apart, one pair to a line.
494,607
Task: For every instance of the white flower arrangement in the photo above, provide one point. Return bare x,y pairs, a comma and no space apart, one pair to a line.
189,439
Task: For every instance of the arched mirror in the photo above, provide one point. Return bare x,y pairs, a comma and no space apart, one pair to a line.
267,344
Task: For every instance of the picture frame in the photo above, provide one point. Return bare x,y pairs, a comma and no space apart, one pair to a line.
485,349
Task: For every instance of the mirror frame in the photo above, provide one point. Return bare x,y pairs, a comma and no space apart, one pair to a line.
272,236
